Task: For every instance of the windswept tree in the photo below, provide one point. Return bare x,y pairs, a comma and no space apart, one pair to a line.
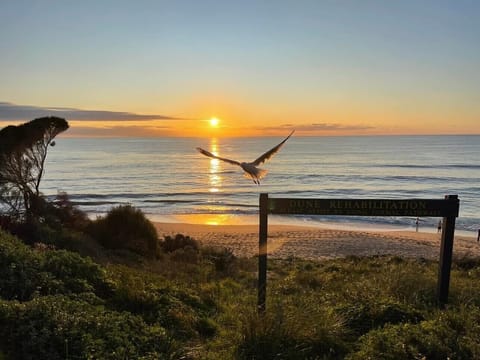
23,150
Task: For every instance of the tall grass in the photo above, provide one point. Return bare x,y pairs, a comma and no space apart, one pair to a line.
200,303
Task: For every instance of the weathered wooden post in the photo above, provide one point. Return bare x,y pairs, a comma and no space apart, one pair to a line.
262,253
446,250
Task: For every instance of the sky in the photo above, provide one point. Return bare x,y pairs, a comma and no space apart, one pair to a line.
165,68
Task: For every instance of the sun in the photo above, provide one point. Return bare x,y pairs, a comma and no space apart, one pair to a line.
214,122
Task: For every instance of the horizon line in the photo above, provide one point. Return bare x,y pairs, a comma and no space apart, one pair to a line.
250,136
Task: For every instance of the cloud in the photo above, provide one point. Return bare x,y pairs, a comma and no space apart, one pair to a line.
320,127
9,111
118,131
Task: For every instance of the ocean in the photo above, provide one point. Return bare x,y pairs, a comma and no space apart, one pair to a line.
170,181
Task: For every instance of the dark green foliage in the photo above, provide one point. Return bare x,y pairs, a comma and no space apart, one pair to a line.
58,327
26,272
451,335
58,305
467,263
15,139
93,315
362,317
171,244
185,254
206,327
184,313
61,213
125,227
23,150
19,269
59,224
77,274
292,333
223,259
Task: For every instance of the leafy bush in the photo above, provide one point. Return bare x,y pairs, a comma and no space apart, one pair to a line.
171,244
223,259
20,274
76,273
37,232
25,272
125,227
57,223
363,317
58,327
67,214
185,254
178,310
206,327
452,335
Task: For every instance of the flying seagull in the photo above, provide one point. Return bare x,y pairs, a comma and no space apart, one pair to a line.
250,168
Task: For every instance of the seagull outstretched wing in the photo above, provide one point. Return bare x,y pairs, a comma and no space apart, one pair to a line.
270,152
250,169
209,154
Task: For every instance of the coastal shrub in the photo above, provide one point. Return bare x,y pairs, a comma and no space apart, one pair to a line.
26,271
76,274
7,223
57,327
125,227
68,214
449,335
362,317
36,232
186,255
181,312
466,262
20,274
223,259
57,223
206,327
287,331
56,235
179,241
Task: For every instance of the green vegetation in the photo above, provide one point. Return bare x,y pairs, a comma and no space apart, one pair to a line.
125,227
194,302
23,150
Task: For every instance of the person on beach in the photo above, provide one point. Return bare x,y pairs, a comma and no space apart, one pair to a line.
416,225
439,226
478,236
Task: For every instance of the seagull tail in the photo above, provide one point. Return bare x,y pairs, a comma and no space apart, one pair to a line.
261,173
258,174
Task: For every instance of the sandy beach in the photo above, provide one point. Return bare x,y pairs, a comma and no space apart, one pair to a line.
319,243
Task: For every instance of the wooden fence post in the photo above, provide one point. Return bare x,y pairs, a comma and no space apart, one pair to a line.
262,253
446,250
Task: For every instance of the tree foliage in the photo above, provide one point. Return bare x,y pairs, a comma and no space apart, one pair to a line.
23,150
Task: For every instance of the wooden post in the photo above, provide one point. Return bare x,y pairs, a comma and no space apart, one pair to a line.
446,250
262,253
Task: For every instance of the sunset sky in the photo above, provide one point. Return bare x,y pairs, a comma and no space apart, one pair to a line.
165,68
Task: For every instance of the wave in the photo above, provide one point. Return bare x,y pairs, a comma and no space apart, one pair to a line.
418,166
178,181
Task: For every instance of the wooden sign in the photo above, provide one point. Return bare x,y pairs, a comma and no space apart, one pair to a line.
364,207
447,208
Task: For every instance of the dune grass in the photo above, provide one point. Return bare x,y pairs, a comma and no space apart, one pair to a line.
200,303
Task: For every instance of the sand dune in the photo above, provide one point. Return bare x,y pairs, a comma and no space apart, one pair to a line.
318,243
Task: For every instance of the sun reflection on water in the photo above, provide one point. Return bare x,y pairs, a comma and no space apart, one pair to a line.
214,177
